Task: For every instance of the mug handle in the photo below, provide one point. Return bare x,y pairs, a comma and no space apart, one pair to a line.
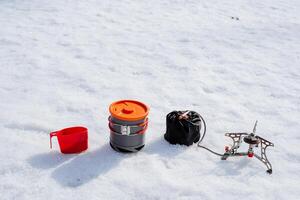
52,134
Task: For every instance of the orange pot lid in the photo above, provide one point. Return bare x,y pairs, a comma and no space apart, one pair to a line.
129,110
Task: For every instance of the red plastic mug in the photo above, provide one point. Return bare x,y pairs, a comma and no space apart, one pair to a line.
71,140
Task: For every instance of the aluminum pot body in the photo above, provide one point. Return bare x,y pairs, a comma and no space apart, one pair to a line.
127,136
127,143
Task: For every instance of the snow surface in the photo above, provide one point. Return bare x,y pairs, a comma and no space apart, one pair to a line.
63,62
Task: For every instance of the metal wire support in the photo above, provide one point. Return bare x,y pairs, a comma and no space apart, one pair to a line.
237,140
263,157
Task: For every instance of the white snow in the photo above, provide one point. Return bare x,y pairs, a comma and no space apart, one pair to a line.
63,62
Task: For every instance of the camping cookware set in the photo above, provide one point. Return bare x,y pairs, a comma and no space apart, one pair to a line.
128,122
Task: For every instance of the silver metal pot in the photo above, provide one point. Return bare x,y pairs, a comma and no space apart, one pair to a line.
127,136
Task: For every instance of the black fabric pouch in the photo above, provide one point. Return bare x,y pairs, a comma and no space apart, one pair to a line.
183,127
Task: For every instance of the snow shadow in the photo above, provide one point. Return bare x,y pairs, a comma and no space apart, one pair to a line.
48,160
163,148
88,166
231,166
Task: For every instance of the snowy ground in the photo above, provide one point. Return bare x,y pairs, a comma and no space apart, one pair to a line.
63,62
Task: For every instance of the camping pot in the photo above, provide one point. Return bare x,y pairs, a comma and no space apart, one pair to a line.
128,123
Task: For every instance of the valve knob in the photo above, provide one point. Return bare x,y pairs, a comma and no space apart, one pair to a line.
226,148
250,155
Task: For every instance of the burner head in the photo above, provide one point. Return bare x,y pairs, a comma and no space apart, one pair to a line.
251,139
